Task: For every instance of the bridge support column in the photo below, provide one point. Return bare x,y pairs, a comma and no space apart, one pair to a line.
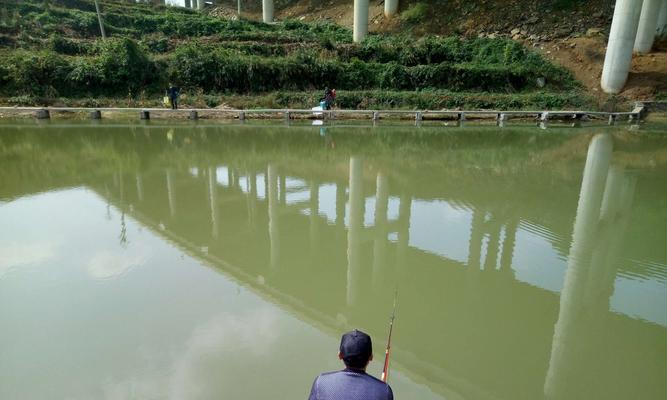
648,23
356,224
390,8
661,30
360,20
267,11
619,48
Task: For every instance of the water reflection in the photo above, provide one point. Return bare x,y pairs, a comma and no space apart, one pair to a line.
506,259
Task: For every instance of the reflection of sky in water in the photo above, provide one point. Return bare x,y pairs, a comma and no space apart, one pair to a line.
439,228
222,176
139,331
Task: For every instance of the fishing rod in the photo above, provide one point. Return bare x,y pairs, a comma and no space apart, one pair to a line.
387,350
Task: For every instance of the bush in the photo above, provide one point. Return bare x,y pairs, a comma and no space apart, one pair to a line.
415,14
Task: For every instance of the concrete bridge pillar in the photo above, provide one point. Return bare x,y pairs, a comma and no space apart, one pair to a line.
619,48
648,25
390,8
661,30
267,11
360,20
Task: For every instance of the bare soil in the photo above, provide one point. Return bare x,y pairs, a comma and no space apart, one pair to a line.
574,37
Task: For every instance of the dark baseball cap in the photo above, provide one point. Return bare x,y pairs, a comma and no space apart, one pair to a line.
356,343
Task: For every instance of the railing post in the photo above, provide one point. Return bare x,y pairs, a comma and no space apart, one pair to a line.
144,115
42,114
194,115
95,114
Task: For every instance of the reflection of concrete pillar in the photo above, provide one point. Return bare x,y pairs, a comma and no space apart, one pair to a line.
252,212
491,257
213,200
170,193
381,229
475,241
140,187
619,48
566,343
340,209
508,246
314,215
283,190
354,230
404,215
230,177
274,237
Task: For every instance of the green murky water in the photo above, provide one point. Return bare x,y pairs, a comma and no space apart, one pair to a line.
224,262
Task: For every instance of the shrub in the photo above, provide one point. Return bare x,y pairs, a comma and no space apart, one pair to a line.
415,14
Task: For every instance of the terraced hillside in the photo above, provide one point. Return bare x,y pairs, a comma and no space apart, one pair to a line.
51,53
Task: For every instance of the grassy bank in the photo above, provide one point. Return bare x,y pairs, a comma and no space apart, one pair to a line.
49,52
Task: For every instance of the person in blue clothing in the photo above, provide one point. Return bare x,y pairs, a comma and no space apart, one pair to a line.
173,93
352,383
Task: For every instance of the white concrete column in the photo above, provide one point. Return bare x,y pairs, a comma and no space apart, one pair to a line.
274,237
360,20
267,11
390,8
661,30
194,4
619,48
356,224
648,24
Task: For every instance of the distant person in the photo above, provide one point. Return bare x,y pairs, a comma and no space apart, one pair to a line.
329,98
173,93
352,383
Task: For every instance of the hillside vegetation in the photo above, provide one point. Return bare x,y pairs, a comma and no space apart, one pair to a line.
50,51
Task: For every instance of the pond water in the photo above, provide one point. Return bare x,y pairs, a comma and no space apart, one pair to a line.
203,261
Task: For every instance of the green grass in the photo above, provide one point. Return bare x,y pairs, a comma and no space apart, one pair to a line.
55,52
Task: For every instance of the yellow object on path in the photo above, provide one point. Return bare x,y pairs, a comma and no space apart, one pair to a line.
166,102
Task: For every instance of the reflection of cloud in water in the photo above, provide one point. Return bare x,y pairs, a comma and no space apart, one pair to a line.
15,254
221,352
107,264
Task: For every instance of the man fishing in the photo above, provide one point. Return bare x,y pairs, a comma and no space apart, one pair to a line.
352,383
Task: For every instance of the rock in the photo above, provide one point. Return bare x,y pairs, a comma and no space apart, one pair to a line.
524,32
598,14
573,45
561,32
515,31
593,32
516,37
532,20
541,82
533,37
